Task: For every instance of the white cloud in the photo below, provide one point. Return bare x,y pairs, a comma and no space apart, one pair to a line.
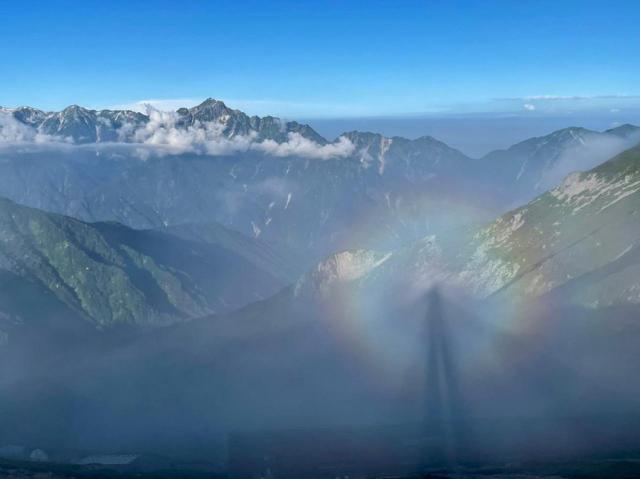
301,146
570,97
12,132
163,135
562,104
594,150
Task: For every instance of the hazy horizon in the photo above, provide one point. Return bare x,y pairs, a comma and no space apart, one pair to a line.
473,136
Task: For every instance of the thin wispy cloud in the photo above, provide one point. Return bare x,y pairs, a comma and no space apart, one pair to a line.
569,97
555,104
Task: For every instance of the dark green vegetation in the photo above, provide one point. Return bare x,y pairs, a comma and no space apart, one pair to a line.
58,270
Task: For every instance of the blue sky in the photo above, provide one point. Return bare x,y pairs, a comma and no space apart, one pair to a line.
318,59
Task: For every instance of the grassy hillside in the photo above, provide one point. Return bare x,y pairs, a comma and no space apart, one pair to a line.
107,274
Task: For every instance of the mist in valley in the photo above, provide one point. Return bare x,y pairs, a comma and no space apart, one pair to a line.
302,240
372,320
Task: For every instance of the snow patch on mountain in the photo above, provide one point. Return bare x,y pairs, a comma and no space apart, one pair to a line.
385,144
208,129
13,132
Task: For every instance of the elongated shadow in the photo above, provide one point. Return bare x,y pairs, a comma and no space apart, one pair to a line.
445,414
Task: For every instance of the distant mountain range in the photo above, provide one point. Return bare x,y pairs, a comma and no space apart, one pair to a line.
530,298
404,211
255,271
541,305
277,181
538,164
81,125
577,244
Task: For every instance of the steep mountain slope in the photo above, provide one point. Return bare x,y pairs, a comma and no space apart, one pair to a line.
625,131
109,275
386,192
237,123
577,243
568,261
580,240
346,343
280,263
535,165
279,182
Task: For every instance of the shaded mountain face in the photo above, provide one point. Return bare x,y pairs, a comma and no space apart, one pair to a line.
81,125
237,123
346,342
278,263
60,271
276,181
576,244
538,164
267,180
306,206
579,241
